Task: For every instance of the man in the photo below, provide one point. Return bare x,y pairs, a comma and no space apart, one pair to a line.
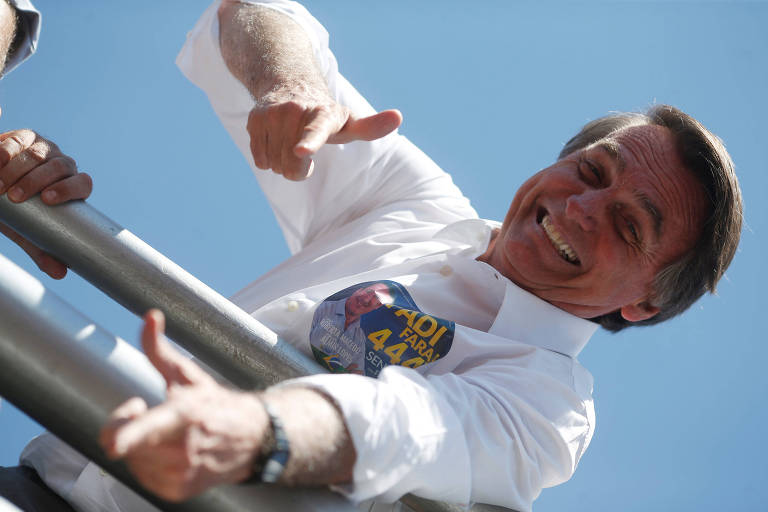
502,410
31,165
337,336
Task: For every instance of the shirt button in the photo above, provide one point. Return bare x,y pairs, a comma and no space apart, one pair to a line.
102,472
446,270
292,305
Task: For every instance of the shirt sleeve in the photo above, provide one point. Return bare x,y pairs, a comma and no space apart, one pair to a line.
349,180
27,34
496,433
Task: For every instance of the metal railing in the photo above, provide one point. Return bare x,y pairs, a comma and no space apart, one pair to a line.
68,373
135,275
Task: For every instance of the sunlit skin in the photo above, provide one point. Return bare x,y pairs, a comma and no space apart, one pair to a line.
626,206
364,300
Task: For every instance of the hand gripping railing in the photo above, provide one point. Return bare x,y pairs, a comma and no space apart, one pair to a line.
135,275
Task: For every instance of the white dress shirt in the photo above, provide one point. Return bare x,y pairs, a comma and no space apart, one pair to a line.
479,395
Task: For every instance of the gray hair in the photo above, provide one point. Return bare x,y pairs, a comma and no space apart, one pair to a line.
681,283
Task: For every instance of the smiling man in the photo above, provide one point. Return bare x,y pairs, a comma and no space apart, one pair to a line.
478,394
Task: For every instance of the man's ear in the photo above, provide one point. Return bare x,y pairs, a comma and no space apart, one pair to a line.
639,312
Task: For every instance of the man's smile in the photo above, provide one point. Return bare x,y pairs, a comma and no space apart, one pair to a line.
557,240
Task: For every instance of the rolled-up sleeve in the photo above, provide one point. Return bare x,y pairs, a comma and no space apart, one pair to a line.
349,180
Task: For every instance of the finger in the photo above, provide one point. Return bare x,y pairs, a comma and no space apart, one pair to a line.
15,170
42,176
78,186
321,123
274,149
23,163
127,411
42,259
172,365
148,430
12,144
51,266
369,128
294,167
258,136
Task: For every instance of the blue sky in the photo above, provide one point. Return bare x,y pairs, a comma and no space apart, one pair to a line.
491,93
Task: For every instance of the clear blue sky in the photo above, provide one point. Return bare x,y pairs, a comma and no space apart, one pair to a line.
491,93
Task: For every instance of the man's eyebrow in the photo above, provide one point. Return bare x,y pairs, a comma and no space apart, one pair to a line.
611,147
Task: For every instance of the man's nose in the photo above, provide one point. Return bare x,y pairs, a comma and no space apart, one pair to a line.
586,208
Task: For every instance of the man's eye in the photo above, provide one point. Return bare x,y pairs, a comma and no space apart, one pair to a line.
590,171
633,231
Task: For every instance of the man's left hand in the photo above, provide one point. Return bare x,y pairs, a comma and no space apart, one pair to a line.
201,436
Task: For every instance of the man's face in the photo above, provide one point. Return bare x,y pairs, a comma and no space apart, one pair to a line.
590,233
366,299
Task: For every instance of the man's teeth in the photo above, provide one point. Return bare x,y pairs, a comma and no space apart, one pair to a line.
556,238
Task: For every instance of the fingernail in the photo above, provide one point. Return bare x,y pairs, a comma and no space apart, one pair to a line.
49,195
16,193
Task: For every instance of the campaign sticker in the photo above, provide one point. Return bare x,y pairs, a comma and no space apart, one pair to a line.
370,325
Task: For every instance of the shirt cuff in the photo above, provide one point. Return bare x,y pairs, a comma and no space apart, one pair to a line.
407,437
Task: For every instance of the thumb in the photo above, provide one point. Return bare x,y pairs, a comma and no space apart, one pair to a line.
172,365
368,128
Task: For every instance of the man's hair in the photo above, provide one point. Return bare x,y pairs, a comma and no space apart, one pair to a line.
7,34
681,283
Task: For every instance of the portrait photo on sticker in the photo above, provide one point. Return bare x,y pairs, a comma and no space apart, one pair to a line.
374,324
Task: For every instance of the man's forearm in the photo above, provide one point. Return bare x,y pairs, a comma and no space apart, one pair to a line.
266,50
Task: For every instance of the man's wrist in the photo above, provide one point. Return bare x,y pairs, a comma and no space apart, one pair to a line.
274,451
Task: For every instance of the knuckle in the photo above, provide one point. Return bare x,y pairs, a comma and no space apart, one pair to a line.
68,163
39,151
58,167
25,135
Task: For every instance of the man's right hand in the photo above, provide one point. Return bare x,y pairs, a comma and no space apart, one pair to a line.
31,165
295,113
287,127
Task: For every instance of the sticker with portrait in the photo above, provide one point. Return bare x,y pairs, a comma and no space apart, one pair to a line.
370,325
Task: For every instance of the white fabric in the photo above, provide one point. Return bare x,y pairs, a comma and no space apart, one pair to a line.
507,409
27,33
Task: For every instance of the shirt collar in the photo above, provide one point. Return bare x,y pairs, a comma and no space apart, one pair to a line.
523,316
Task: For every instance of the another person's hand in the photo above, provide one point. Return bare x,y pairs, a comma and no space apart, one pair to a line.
288,126
202,435
30,165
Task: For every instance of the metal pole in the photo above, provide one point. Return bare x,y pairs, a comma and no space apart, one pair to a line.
137,276
68,374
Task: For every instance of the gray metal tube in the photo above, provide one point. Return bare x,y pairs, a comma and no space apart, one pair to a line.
139,277
68,374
